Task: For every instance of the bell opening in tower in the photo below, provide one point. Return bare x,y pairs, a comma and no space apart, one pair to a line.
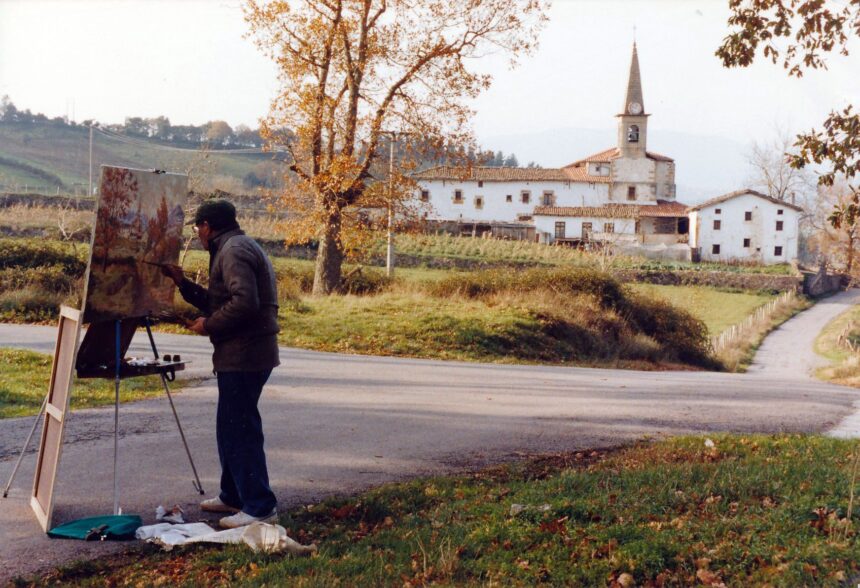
633,134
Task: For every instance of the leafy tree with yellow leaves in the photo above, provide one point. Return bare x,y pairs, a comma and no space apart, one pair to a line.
351,70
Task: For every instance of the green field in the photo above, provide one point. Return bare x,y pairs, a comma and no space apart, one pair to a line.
24,378
43,154
719,309
728,511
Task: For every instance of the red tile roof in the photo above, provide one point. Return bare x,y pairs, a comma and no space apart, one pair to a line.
508,174
663,208
613,153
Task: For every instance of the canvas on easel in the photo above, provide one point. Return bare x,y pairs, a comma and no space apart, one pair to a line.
138,227
56,408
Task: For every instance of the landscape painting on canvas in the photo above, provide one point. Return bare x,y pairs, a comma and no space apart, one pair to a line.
139,224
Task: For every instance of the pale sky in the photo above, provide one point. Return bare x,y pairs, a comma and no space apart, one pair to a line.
188,60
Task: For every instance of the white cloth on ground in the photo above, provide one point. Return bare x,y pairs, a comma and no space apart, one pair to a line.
258,536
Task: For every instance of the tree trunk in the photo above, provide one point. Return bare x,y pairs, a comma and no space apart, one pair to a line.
329,258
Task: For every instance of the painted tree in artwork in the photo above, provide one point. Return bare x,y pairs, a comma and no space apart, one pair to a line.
350,70
117,193
156,229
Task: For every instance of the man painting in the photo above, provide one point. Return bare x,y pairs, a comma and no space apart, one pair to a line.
241,310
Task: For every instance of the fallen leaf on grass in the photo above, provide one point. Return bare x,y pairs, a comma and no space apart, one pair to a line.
709,578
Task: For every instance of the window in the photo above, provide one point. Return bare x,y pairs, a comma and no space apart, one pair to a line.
717,225
480,183
748,215
509,198
549,198
633,134
458,197
715,249
425,195
777,251
631,192
526,196
779,211
608,227
718,211
746,243
586,231
559,230
479,202
778,225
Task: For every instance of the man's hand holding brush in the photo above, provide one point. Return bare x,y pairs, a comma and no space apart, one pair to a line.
175,273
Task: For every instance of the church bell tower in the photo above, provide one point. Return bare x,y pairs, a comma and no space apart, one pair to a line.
633,122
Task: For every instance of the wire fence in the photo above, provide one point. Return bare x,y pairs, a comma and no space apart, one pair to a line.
761,317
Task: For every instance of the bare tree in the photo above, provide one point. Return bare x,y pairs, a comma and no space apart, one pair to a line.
772,172
835,222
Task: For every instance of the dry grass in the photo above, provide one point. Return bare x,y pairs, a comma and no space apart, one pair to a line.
844,368
22,217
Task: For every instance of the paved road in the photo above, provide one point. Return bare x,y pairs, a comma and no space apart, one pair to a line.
341,423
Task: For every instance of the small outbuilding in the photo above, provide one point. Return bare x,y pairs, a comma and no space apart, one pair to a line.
745,225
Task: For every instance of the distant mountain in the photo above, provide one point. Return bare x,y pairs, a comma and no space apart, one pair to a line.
705,166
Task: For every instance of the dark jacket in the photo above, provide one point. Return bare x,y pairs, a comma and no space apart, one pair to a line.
241,304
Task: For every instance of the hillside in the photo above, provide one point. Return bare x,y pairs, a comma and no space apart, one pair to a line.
43,156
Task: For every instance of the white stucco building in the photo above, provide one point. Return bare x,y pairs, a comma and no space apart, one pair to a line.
623,196
609,189
745,226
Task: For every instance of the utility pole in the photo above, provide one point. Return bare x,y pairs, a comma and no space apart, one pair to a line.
90,192
389,255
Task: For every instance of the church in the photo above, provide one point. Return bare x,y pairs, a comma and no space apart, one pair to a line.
623,196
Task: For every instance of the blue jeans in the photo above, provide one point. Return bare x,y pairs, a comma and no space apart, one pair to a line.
239,432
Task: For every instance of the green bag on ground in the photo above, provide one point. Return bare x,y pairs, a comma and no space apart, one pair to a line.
103,528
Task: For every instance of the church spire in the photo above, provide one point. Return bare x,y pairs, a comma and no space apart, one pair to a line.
633,101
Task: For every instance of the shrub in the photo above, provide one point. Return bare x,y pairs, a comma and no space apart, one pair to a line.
32,253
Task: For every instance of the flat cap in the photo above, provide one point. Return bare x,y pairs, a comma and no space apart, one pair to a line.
219,214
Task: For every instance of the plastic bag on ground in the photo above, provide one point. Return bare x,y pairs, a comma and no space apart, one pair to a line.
258,536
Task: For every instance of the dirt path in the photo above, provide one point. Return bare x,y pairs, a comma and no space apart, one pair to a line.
340,424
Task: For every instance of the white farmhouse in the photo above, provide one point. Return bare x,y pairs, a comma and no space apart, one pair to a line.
745,226
610,192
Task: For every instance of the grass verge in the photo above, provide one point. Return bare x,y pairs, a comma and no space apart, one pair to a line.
741,511
24,378
845,364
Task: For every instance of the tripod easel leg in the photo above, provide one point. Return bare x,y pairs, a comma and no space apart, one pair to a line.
196,483
116,423
24,449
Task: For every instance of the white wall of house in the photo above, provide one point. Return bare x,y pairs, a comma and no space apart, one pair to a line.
624,228
756,239
490,202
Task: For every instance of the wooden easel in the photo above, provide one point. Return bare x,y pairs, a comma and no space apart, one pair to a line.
67,357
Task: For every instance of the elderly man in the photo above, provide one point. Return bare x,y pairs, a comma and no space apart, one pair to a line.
241,311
